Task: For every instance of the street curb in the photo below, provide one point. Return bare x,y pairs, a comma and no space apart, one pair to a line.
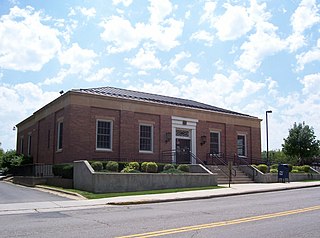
61,191
207,197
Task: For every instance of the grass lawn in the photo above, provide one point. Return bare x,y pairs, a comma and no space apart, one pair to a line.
89,195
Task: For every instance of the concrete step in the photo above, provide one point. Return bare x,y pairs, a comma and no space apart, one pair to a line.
222,177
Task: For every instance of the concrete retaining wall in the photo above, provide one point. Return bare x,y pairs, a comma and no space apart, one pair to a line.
86,179
293,177
33,181
260,177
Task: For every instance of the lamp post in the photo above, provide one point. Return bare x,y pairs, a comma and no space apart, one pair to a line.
268,162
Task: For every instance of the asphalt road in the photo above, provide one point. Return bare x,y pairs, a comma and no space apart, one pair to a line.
11,193
293,213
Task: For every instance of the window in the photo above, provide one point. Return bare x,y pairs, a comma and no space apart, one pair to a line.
29,145
60,135
214,142
104,135
21,144
241,145
146,138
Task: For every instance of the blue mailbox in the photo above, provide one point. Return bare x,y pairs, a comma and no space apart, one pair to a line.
283,172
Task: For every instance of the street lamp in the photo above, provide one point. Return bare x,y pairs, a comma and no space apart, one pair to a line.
268,162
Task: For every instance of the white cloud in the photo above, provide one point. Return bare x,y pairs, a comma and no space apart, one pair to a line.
158,87
164,35
121,34
145,60
26,43
161,31
249,87
173,64
88,12
126,3
308,57
74,60
260,45
304,17
192,68
102,75
79,60
18,102
159,10
234,23
311,84
208,15
203,36
264,42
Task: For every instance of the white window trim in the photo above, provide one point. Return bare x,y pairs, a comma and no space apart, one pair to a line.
111,135
58,135
146,151
245,146
219,139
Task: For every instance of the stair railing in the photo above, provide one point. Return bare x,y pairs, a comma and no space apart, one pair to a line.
238,160
219,160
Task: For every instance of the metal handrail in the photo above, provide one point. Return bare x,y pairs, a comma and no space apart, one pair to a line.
246,163
216,157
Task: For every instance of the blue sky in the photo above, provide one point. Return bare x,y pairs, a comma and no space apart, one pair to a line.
248,56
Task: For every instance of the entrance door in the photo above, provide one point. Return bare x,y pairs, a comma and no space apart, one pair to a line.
183,151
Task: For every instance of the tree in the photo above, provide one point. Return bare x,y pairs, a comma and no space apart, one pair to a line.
301,143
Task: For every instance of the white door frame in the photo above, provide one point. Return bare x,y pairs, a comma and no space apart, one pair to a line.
185,123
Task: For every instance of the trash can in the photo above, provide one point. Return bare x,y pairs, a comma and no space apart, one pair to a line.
283,172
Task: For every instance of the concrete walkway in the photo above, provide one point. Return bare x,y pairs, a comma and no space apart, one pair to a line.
236,189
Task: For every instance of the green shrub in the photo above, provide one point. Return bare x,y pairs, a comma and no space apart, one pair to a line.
122,165
97,166
128,169
144,166
306,168
112,166
183,168
160,167
63,170
273,171
290,167
152,167
263,168
134,165
274,166
168,166
172,171
295,171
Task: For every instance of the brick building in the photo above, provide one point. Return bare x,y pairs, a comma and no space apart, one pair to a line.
112,123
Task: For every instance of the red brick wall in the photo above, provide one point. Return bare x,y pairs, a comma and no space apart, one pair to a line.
79,136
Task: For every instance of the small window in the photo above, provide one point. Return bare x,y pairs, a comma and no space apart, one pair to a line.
60,136
29,145
241,145
104,135
146,138
214,142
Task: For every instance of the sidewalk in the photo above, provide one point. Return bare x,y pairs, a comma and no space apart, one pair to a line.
236,189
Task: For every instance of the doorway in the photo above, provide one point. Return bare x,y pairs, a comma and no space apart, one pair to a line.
183,147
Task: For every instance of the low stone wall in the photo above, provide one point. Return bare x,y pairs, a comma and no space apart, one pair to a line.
84,178
260,177
33,181
293,177
29,180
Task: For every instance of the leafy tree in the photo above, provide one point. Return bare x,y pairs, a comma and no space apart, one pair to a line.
301,143
279,157
1,152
